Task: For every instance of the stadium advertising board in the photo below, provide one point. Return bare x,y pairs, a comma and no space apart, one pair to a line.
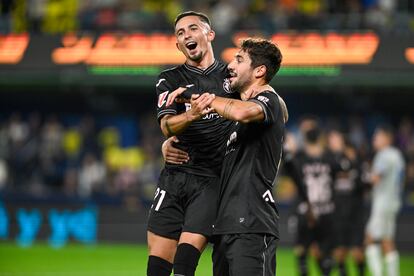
82,57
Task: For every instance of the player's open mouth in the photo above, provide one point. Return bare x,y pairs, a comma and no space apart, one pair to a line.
191,45
232,76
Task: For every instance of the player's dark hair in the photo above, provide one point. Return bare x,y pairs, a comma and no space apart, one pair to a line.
204,18
263,52
312,135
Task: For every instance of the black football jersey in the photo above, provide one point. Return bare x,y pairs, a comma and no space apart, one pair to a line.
203,140
314,178
348,184
253,153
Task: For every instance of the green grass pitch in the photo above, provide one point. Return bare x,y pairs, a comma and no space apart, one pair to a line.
119,260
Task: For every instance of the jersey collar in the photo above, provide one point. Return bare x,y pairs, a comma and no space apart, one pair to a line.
206,71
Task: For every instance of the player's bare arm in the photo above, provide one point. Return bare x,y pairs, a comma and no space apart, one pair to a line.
175,124
237,110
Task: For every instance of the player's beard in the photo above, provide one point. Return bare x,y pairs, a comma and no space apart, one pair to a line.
240,85
197,58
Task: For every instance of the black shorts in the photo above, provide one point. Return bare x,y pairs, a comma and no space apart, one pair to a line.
322,233
350,225
183,203
244,254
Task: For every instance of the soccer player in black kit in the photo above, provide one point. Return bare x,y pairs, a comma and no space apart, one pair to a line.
246,227
313,170
185,204
349,202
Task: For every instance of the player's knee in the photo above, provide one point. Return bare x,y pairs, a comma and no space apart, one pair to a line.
299,250
197,240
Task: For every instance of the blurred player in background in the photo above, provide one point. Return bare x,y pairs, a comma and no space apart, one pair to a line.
349,202
387,179
185,202
312,170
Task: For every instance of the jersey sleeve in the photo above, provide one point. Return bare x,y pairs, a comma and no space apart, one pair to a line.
163,87
270,104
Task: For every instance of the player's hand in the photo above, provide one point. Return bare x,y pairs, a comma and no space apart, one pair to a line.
200,105
171,154
175,94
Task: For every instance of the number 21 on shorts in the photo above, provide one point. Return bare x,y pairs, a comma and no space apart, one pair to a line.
161,194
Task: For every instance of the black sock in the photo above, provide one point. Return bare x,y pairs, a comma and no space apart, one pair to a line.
186,260
361,268
342,268
325,264
158,267
303,265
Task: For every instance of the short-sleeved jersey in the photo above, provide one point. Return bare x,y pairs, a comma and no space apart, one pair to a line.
253,153
204,139
314,178
390,166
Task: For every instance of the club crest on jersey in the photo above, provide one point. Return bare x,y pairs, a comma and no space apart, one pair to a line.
268,196
226,85
162,98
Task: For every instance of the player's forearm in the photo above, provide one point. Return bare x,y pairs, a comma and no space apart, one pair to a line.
173,125
237,110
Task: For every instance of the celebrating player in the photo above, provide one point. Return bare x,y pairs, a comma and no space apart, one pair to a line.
349,202
185,201
387,179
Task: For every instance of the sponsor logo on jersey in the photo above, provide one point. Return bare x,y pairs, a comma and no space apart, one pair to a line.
226,86
162,98
268,196
159,82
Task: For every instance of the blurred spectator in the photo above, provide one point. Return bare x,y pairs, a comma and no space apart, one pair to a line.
5,15
268,16
92,176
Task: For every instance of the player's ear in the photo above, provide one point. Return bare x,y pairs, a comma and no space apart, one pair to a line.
178,46
260,71
211,35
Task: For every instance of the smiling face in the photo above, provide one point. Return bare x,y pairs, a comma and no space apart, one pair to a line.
241,72
193,38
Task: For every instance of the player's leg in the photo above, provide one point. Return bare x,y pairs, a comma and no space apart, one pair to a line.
161,253
390,252
220,262
252,254
164,224
374,234
326,241
357,238
189,250
340,254
303,241
357,254
200,213
342,232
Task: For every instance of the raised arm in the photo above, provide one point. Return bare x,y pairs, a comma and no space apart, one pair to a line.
175,124
237,110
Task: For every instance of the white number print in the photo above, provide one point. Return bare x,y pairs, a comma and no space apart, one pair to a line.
160,199
318,188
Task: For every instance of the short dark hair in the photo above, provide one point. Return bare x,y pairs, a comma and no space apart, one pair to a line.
263,52
204,18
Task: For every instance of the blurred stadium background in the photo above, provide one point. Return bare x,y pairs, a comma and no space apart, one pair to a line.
79,140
